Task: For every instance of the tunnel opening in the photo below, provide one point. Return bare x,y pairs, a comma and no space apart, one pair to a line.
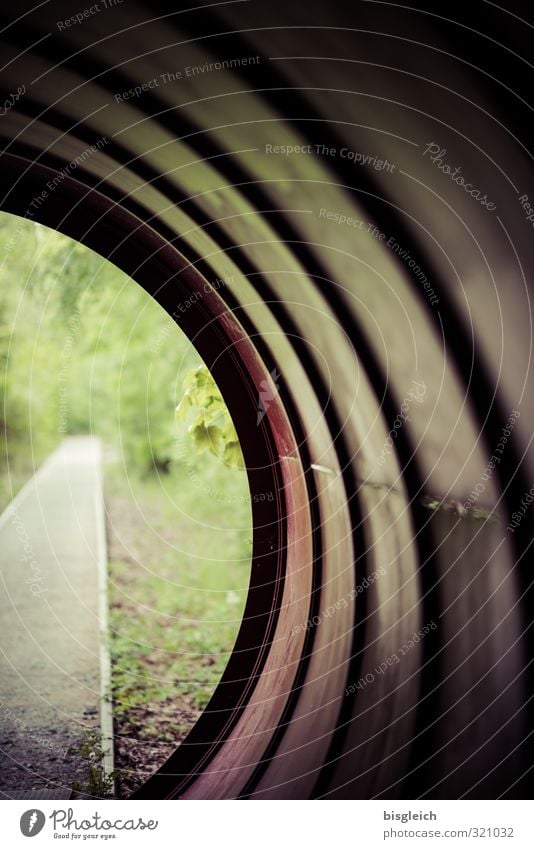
153,456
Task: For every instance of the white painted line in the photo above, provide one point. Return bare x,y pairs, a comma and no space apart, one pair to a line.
106,706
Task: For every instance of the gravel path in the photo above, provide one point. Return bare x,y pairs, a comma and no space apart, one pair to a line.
50,551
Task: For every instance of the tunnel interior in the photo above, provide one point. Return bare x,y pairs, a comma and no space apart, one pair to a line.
293,178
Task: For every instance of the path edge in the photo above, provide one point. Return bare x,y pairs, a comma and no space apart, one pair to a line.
106,703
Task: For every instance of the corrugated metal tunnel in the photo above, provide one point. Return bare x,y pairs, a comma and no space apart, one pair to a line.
332,201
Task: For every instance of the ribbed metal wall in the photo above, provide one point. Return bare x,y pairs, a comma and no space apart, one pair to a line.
412,318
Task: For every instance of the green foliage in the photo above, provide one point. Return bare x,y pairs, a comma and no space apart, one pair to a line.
83,349
211,427
98,785
174,611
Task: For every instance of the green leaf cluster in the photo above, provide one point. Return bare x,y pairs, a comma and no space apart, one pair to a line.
211,427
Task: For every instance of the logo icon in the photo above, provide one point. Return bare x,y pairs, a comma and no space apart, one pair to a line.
268,392
31,822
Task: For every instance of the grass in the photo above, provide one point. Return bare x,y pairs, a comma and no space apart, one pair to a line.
180,547
97,785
